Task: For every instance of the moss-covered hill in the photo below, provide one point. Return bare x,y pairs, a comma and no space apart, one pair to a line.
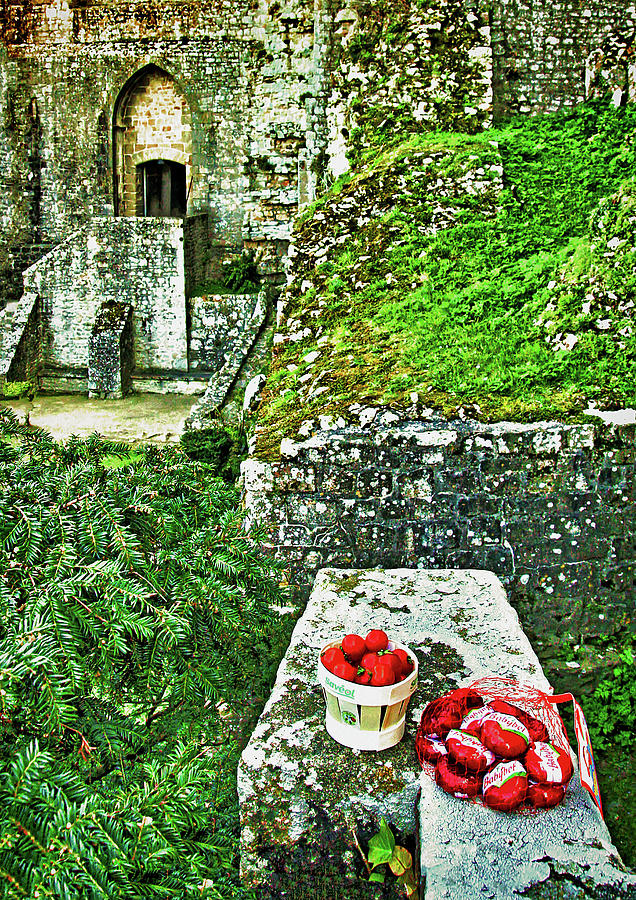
494,273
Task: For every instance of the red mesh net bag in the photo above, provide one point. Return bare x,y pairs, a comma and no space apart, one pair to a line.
528,699
511,702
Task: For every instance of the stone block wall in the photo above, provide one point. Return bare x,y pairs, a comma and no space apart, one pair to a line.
245,76
110,351
553,54
26,363
204,253
265,96
549,508
219,324
136,261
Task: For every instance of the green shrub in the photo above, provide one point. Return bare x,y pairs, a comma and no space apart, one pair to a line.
134,607
220,448
240,275
611,710
11,390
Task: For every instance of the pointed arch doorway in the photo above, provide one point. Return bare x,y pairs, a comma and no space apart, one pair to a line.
161,188
152,146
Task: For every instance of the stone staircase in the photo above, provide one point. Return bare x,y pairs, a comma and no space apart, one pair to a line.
19,339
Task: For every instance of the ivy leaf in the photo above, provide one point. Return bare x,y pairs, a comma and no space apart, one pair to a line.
378,876
381,845
401,861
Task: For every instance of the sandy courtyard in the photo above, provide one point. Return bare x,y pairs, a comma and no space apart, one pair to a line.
143,418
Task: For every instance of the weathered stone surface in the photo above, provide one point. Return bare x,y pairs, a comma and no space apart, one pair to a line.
469,852
548,507
303,795
110,352
227,328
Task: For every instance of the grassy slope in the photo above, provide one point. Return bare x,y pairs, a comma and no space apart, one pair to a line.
515,303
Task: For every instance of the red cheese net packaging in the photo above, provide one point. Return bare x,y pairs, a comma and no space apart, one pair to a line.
510,738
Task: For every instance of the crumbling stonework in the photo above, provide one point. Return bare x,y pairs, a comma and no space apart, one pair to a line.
236,113
547,507
110,352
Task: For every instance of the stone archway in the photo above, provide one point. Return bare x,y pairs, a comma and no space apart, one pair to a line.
152,145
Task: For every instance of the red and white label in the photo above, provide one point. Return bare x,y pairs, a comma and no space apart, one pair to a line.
502,773
465,739
549,768
587,767
472,720
509,723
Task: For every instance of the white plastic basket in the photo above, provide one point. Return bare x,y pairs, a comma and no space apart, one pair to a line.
365,717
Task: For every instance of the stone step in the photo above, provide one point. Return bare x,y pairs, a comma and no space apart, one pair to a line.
307,801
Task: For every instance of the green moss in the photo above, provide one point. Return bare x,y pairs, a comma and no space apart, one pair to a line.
347,583
465,298
13,390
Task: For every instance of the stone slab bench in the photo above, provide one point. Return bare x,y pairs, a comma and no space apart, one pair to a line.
308,804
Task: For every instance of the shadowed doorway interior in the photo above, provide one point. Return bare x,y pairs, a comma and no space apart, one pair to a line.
161,188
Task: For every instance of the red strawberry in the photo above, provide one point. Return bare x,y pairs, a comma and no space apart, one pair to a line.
405,659
370,660
376,640
395,662
345,670
332,657
353,647
383,675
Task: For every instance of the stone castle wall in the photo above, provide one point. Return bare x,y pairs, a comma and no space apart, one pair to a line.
269,94
549,508
138,261
553,54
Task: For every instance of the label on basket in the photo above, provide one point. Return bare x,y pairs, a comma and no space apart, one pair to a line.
587,766
340,688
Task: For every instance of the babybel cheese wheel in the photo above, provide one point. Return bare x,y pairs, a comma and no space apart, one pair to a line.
504,735
472,720
548,764
536,728
544,796
457,781
429,748
468,751
505,786
440,716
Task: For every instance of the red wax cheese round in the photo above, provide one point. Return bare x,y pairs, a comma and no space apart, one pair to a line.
504,735
548,764
472,721
457,781
440,716
468,751
429,748
536,728
544,796
505,786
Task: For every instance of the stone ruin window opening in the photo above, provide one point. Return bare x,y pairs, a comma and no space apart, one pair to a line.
152,146
161,189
